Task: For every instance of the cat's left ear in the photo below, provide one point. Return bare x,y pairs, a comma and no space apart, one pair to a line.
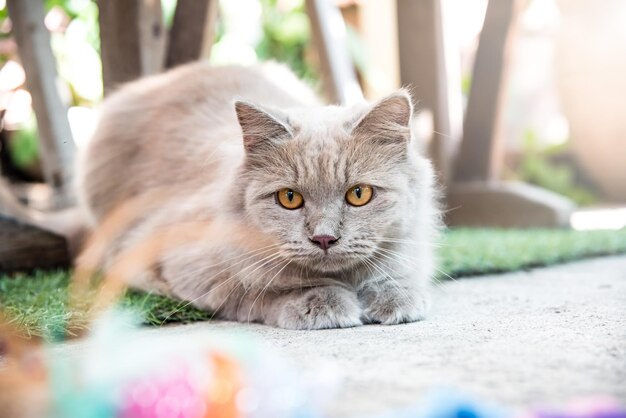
389,119
260,126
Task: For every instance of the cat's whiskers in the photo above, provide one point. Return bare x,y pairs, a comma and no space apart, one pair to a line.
445,274
259,265
266,287
300,273
369,270
265,260
210,160
406,241
395,256
391,260
247,289
403,291
248,256
390,280
410,263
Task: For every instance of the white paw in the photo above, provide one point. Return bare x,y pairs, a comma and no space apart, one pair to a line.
321,307
395,306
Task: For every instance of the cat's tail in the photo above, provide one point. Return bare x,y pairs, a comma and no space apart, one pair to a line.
69,223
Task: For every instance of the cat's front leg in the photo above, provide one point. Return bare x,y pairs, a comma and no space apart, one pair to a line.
315,308
393,301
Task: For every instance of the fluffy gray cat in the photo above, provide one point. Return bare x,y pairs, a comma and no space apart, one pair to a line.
341,195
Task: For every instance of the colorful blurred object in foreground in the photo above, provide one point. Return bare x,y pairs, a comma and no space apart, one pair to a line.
124,373
600,407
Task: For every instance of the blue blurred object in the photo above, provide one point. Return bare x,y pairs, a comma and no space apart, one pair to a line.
449,403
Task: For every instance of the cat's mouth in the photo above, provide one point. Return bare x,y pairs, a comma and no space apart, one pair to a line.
333,259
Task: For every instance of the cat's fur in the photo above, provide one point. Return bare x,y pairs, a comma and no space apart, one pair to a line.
182,135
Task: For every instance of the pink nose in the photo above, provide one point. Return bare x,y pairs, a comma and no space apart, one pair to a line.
324,241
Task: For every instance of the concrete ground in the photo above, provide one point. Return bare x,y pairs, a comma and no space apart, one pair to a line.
523,339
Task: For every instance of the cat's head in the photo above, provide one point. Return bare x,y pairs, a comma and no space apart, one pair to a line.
333,184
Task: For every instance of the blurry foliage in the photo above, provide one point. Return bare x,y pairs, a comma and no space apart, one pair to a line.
76,46
537,167
286,37
83,11
466,84
4,14
77,51
24,147
169,9
357,49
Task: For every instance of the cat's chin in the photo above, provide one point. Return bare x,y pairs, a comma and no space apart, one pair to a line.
328,263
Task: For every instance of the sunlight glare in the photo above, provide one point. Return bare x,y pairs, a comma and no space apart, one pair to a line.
594,219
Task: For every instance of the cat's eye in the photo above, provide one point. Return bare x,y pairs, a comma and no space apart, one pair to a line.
289,199
359,195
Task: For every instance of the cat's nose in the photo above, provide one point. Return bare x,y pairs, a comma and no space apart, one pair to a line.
324,241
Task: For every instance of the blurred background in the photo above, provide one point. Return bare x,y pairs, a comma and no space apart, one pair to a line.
562,120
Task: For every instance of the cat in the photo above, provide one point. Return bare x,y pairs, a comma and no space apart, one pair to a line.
342,193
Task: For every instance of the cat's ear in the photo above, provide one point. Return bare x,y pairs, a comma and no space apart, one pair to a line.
389,119
259,126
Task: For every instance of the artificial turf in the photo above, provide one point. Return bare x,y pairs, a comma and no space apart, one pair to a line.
37,302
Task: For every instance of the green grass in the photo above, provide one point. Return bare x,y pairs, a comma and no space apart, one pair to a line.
38,302
467,252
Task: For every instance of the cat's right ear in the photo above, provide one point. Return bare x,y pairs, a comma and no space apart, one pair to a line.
259,126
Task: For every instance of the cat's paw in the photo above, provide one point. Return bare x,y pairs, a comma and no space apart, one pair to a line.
320,307
396,306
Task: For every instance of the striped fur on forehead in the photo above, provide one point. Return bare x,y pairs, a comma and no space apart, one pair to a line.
371,138
334,164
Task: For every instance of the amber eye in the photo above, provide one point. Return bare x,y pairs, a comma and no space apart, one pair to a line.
359,195
289,199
